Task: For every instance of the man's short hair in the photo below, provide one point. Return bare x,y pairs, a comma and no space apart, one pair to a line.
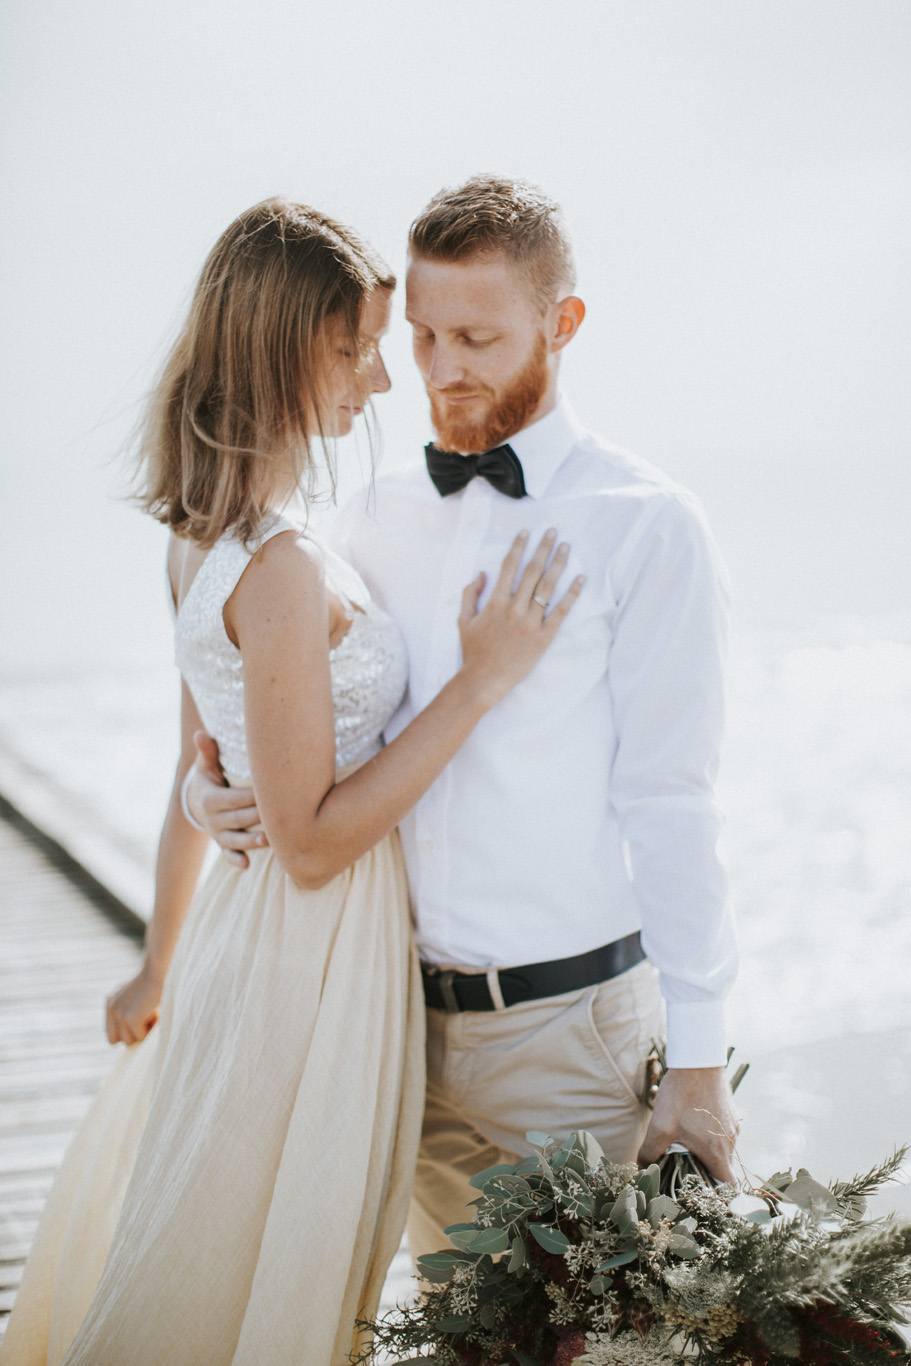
490,214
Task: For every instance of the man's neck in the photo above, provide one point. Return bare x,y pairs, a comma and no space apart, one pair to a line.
547,405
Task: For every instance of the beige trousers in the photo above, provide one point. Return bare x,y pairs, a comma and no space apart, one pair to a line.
575,1061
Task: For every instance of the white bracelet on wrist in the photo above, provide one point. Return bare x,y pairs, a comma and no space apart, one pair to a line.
184,805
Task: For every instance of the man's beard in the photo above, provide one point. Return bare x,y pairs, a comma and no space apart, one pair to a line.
507,413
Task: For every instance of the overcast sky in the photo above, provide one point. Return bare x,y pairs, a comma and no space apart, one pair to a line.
736,172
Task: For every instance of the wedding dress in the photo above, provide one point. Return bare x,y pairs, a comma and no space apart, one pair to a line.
241,1181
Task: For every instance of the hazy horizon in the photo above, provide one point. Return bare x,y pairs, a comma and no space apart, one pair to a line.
737,179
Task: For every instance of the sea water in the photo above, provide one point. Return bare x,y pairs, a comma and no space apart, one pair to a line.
815,785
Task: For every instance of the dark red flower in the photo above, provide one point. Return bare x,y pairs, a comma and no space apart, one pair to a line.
570,1344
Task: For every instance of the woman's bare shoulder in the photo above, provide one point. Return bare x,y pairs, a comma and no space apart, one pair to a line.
287,567
291,553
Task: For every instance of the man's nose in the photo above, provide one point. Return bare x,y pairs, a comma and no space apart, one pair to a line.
445,367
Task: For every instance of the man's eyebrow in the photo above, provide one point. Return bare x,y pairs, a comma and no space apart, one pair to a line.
459,328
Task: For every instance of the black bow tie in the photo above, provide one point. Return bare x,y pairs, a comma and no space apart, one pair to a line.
500,467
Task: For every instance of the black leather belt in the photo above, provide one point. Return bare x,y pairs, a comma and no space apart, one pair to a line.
453,991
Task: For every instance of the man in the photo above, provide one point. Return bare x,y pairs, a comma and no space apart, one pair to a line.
580,811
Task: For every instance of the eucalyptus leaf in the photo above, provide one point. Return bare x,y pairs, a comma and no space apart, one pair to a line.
440,1260
438,1271
575,1162
619,1259
810,1195
519,1256
488,1315
547,1170
500,1169
759,1216
624,1211
435,1275
589,1147
490,1240
683,1246
537,1139
662,1207
551,1239
492,1286
649,1180
516,1184
580,1203
454,1323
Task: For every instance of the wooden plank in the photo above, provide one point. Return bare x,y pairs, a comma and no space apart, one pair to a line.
62,954
18,1186
10,1275
43,1112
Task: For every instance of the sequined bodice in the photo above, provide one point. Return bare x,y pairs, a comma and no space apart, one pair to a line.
368,666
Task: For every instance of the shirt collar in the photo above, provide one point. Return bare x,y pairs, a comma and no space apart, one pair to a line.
544,445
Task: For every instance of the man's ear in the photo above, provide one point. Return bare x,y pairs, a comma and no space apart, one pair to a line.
567,319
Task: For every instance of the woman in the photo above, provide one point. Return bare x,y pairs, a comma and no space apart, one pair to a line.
241,1182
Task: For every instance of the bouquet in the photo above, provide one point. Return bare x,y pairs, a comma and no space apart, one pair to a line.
571,1258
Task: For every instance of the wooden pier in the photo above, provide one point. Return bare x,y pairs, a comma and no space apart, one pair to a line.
64,944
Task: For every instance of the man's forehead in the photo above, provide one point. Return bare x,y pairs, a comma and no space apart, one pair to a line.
479,292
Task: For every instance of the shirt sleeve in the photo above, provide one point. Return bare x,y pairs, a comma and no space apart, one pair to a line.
667,688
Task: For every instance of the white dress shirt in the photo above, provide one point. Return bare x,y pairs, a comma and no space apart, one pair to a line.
581,807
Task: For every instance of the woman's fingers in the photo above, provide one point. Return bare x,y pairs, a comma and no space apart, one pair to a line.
543,589
559,610
534,591
121,1029
502,589
470,595
535,567
118,1029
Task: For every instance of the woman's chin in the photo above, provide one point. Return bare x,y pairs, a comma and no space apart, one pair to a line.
345,420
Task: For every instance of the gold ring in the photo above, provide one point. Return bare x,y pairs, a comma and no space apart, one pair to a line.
539,601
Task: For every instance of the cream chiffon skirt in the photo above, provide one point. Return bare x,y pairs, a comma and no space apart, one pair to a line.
241,1181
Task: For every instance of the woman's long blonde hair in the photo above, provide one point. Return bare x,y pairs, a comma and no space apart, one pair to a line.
240,392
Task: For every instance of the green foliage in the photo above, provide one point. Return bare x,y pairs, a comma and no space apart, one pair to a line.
654,1266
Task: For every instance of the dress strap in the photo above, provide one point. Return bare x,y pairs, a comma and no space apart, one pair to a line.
220,572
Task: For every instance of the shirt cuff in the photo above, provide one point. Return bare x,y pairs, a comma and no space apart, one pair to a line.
183,802
696,1034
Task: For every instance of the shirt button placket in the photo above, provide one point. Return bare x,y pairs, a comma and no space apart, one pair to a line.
461,564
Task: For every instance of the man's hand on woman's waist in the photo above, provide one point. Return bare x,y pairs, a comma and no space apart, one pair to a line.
226,814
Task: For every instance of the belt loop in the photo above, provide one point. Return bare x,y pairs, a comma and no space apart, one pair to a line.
493,986
451,1001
